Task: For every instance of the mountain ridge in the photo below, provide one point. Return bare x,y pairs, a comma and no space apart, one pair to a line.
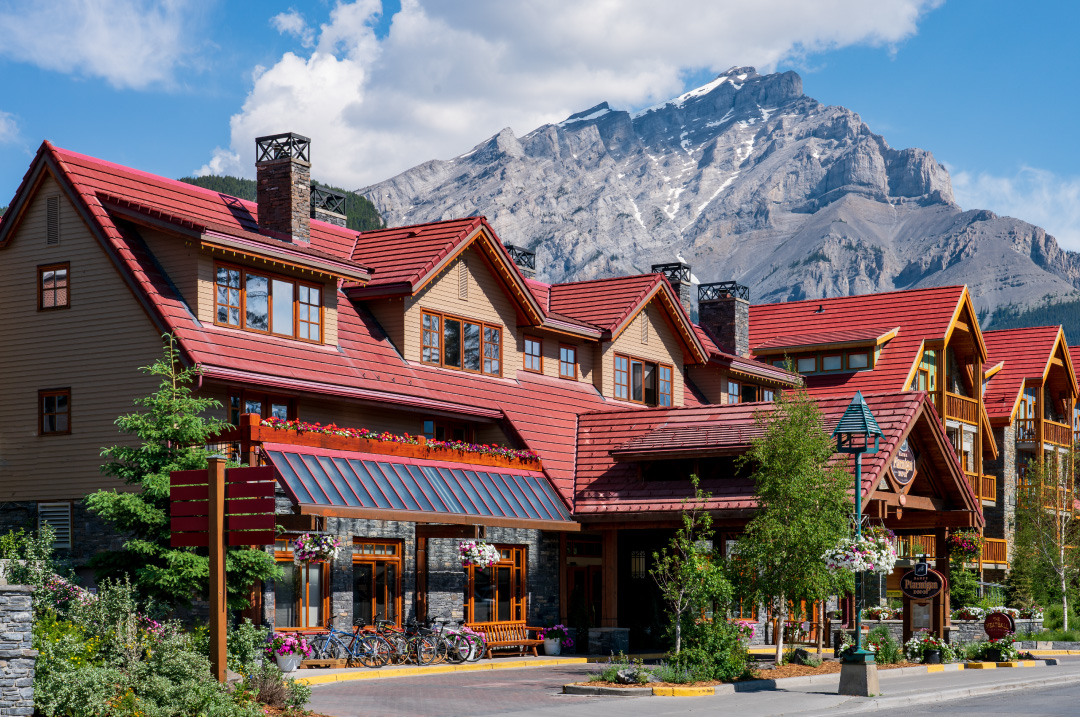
748,178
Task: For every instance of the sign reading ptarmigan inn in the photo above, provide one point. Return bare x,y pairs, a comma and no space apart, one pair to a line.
903,464
922,587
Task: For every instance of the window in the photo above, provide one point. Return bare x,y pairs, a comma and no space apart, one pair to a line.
58,517
858,360
54,411
463,344
734,394
534,359
443,430
301,594
832,363
497,594
807,364
265,405
622,377
567,361
749,393
665,385
767,394
780,363
377,580
926,375
258,301
54,288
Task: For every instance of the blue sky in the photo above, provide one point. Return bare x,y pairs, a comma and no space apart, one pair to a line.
179,86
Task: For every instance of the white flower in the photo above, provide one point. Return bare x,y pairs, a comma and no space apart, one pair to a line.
866,554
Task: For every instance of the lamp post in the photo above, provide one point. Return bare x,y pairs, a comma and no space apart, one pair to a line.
858,675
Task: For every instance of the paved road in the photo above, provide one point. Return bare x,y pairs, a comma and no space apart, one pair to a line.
1064,700
536,692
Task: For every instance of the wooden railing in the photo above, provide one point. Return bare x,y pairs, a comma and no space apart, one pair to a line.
995,550
961,408
912,546
1057,433
1025,430
983,486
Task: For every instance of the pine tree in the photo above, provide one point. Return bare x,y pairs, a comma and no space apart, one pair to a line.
172,431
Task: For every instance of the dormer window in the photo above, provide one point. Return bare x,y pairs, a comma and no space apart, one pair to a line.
268,304
643,381
462,344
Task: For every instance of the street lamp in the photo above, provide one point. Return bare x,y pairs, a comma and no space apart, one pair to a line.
853,435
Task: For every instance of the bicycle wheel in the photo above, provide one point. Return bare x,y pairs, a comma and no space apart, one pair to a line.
373,651
335,649
424,650
399,654
477,647
319,646
457,648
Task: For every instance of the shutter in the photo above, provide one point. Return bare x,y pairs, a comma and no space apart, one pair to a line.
463,280
52,220
58,516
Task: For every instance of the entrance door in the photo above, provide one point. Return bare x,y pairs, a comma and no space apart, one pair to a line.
586,588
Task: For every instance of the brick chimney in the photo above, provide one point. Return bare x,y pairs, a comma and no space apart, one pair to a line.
724,311
283,192
679,276
525,260
327,205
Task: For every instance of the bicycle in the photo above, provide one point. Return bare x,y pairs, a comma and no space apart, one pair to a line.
408,644
370,650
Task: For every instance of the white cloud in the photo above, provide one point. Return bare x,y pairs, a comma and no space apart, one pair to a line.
450,74
1034,195
9,128
293,23
128,43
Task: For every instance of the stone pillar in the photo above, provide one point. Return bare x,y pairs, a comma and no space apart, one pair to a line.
283,185
17,656
727,318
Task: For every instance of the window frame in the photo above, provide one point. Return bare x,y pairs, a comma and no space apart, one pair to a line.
800,359
442,316
525,355
271,277
66,266
244,395
624,384
628,386
825,357
42,395
847,361
737,393
572,374
660,393
398,559
300,606
519,604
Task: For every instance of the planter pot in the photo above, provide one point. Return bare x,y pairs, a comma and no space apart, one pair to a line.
552,647
992,655
287,663
932,657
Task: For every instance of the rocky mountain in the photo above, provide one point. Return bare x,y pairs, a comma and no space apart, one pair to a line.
745,178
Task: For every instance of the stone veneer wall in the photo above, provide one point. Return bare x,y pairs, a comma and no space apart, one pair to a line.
90,534
17,656
728,319
960,632
1001,518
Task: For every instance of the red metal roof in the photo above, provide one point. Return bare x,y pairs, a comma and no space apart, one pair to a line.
403,255
1074,354
921,314
1024,353
603,303
845,336
741,364
605,486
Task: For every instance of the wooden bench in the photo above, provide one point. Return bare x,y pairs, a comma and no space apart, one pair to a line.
507,635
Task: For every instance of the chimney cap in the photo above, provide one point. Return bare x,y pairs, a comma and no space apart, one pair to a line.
722,289
522,257
675,272
327,200
279,146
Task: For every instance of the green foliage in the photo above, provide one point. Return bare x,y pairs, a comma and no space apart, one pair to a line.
172,431
360,214
888,651
609,672
1065,313
804,509
714,651
963,586
30,557
245,643
266,684
690,578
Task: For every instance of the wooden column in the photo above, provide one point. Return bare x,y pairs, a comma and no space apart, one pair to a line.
217,566
421,577
978,447
941,366
942,615
563,581
610,606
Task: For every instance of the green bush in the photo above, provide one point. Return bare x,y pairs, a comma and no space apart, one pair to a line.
889,651
963,587
714,650
266,684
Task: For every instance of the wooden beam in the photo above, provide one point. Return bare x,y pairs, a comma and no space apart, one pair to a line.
464,532
218,617
911,502
416,516
921,520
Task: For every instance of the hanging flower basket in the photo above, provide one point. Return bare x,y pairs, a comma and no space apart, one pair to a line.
965,545
477,553
308,548
873,554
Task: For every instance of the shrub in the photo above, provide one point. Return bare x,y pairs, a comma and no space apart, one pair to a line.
245,644
268,685
886,649
714,650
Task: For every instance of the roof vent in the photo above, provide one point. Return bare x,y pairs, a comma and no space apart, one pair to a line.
328,205
820,309
525,259
283,189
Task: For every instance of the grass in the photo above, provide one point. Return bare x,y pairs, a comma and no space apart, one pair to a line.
1050,636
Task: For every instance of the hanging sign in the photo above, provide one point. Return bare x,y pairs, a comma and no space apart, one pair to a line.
903,464
997,625
922,587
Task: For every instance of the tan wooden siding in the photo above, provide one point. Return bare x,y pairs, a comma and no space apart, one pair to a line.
486,300
179,257
390,313
711,381
663,347
550,343
95,347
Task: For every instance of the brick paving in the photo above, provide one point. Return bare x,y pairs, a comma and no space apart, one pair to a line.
452,694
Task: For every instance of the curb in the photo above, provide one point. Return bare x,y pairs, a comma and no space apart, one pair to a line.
385,674
607,691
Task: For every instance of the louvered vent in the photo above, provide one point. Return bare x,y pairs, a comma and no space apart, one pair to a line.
52,220
463,280
58,516
645,325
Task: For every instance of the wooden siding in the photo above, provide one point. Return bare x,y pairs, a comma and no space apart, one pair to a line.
663,347
390,313
96,347
711,381
179,257
550,343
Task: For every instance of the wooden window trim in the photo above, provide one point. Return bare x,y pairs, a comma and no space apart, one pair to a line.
244,395
630,360
397,557
828,356
807,358
525,355
442,316
615,377
520,602
869,360
728,394
660,386
66,265
271,277
573,365
287,556
42,395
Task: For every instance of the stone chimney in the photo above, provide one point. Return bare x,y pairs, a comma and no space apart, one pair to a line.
679,276
328,205
283,192
525,260
724,311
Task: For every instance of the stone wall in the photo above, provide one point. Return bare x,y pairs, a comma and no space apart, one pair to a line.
1001,518
960,632
728,320
17,655
90,534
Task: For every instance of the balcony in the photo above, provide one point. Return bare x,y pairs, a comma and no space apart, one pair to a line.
1054,433
984,486
962,408
995,553
909,547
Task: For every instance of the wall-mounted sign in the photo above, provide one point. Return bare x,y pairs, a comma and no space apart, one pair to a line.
922,587
903,464
997,625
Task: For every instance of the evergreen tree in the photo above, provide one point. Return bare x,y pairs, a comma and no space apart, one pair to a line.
172,431
804,509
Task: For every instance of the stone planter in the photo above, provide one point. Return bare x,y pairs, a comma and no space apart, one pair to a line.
552,646
288,663
932,657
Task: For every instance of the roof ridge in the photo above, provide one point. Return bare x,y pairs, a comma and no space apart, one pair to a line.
864,296
406,227
608,278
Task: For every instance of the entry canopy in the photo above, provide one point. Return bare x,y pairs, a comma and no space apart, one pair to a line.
372,486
